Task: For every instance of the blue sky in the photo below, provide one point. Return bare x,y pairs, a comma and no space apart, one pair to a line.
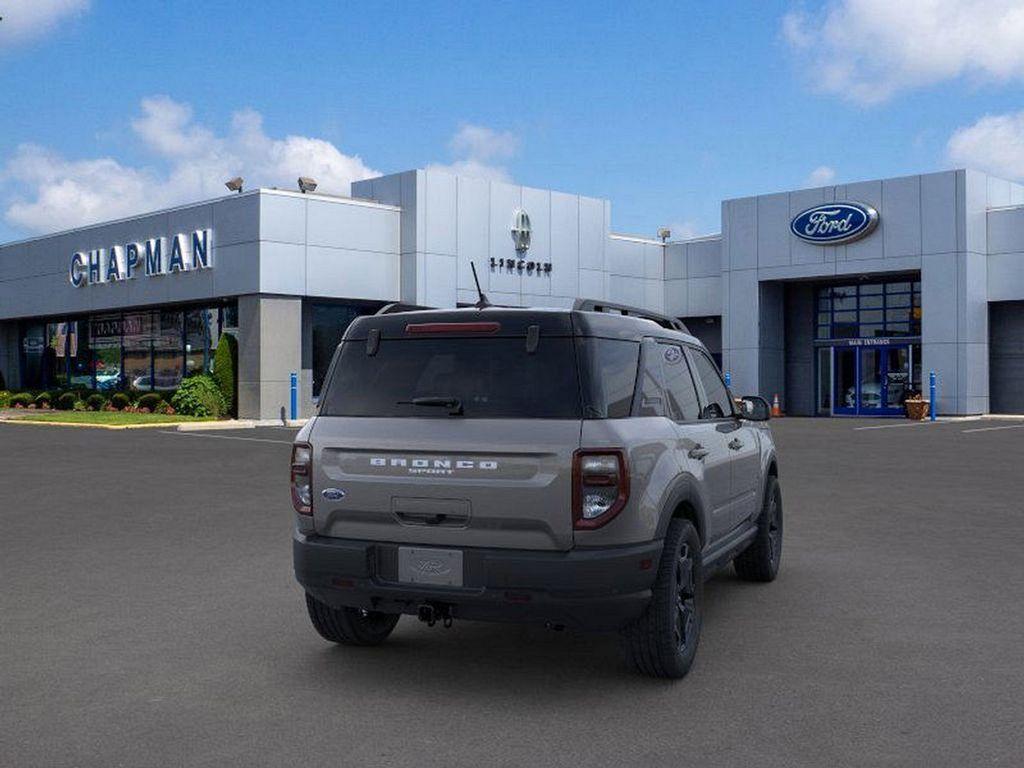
109,108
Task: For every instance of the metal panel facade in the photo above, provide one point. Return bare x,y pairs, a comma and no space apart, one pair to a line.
413,236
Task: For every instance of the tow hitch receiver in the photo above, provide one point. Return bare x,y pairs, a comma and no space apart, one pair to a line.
431,613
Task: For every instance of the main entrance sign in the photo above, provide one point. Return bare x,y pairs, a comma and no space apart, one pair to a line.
156,256
834,223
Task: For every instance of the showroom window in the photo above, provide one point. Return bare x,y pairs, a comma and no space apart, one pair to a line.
142,350
869,310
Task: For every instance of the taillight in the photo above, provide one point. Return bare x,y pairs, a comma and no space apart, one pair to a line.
301,478
600,486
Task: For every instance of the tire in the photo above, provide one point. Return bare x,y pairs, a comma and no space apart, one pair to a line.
663,641
760,561
350,626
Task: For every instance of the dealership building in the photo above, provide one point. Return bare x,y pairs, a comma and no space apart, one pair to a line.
839,299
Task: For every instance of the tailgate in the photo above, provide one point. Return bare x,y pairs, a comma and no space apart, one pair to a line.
439,481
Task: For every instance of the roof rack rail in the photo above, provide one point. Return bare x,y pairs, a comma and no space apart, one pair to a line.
593,305
398,306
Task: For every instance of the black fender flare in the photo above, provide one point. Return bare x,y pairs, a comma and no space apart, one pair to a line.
685,491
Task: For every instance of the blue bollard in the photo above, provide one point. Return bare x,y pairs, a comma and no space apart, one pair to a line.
728,380
295,395
931,395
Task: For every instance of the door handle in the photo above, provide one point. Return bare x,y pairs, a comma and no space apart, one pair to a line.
697,452
735,444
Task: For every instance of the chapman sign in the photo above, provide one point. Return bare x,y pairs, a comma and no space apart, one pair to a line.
834,223
156,256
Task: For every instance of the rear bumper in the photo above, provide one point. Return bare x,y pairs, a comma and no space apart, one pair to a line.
600,588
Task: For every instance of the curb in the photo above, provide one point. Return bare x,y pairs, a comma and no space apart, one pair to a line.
159,424
202,426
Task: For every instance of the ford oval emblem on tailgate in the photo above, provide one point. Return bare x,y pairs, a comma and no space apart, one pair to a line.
333,494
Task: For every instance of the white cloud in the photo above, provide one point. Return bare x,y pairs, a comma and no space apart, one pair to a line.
479,151
48,192
820,176
25,20
994,143
868,50
481,143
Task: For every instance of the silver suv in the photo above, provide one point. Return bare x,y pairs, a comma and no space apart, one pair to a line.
577,468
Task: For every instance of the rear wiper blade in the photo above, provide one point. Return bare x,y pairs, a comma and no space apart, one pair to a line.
453,404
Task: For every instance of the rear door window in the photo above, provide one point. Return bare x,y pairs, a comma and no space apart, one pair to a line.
493,378
683,404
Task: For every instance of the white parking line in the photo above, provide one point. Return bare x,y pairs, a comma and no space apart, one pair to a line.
225,437
992,429
894,426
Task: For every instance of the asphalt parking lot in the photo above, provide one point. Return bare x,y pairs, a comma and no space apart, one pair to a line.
149,618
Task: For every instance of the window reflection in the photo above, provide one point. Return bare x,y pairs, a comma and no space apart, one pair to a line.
141,350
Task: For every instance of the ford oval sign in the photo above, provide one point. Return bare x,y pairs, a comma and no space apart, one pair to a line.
834,223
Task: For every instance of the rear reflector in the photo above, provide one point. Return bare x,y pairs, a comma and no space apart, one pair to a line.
453,328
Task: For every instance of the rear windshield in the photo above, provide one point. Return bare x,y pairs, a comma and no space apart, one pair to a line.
493,378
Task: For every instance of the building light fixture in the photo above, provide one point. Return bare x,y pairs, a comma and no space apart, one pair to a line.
306,184
235,184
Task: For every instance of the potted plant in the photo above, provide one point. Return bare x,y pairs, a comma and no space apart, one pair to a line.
916,406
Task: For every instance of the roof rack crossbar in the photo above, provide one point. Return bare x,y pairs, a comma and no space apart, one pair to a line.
398,306
594,305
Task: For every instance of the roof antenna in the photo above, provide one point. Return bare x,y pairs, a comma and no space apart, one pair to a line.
482,303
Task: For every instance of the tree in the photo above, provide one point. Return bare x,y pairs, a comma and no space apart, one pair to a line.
225,371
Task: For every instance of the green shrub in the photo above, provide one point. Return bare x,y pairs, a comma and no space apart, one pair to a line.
5,398
43,399
66,402
150,400
96,402
225,371
199,396
24,399
120,401
80,405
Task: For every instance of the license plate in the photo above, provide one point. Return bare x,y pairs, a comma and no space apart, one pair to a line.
420,565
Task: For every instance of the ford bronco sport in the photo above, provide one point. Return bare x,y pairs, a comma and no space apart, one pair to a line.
575,468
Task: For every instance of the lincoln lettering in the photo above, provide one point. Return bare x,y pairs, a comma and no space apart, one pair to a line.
156,256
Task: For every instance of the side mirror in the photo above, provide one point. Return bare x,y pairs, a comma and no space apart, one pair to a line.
754,408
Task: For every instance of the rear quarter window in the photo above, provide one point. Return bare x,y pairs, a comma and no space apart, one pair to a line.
609,368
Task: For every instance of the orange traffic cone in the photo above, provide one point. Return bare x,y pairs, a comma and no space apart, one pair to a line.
776,408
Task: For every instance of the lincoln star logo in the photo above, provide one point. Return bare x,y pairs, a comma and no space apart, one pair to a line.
521,231
834,223
435,466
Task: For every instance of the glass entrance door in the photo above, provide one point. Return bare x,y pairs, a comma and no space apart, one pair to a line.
871,380
897,378
845,378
